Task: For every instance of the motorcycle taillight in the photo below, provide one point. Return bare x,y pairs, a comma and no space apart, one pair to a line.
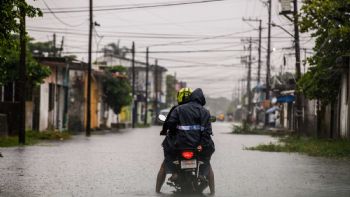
187,154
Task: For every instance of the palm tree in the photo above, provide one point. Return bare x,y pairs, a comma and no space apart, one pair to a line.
113,49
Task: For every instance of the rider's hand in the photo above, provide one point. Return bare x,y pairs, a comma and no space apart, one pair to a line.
162,132
199,148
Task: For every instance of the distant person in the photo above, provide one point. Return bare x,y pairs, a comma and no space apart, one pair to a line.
272,119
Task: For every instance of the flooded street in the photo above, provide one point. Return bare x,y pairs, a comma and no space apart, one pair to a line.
126,164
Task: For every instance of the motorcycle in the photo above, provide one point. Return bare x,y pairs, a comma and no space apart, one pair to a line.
187,168
188,164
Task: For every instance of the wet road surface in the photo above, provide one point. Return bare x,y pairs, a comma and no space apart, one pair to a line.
126,164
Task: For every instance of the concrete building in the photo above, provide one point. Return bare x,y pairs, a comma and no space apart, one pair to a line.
156,84
50,104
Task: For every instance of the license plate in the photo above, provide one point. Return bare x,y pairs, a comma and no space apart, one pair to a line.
187,164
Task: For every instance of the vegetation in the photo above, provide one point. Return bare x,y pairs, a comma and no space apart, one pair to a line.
34,137
10,62
328,21
9,18
140,125
310,146
245,128
9,43
113,49
116,88
170,90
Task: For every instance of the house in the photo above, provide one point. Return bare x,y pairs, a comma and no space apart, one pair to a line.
344,106
102,116
258,102
283,97
330,120
49,107
334,120
156,84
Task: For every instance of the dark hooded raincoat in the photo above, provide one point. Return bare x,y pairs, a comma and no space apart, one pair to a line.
189,126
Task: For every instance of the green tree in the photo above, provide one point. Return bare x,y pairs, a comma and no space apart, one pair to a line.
9,17
113,49
9,43
170,90
329,23
36,73
41,48
116,88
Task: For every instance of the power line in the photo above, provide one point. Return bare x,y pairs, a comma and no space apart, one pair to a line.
58,19
187,51
113,35
133,7
118,32
196,40
182,22
225,36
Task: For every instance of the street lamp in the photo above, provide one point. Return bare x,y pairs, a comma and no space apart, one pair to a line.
279,26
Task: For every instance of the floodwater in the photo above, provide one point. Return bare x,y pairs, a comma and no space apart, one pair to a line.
126,164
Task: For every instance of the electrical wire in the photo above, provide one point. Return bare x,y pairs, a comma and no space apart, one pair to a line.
187,51
120,32
183,22
133,7
61,21
196,40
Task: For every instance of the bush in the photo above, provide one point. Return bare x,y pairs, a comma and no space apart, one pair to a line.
245,128
34,137
310,146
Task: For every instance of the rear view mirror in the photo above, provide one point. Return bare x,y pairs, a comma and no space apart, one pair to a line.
162,117
212,119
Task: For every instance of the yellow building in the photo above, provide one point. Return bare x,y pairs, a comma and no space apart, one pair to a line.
95,100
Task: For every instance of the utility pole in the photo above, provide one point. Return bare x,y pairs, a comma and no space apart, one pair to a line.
88,103
259,48
249,92
147,72
133,86
61,48
54,45
259,63
174,97
156,88
305,60
298,114
298,100
21,93
259,56
268,61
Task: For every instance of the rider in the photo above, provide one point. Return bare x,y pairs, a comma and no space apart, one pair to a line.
183,96
191,123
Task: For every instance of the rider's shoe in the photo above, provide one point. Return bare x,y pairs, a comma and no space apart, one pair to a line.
173,177
202,178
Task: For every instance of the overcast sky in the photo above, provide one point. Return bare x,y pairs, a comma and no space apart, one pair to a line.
214,26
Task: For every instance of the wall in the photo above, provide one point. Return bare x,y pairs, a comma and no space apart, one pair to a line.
310,117
29,115
76,102
344,108
125,115
44,106
96,99
111,117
